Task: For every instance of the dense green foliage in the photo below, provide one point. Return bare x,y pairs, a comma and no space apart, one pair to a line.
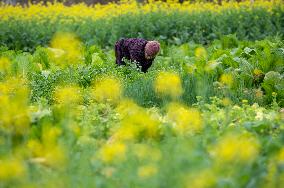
255,67
73,142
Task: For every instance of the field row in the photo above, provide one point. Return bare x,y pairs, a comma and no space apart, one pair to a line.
170,22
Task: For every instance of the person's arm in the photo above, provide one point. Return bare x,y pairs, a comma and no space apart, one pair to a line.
146,65
118,53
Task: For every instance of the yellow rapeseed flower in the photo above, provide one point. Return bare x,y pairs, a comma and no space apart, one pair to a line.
11,169
227,79
168,84
36,148
50,135
127,107
280,156
68,95
200,53
48,151
274,176
107,90
138,124
113,152
257,72
5,65
236,147
55,156
14,114
184,120
66,48
226,101
126,133
57,12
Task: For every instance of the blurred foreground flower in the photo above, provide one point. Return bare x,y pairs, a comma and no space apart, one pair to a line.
5,65
227,79
275,175
168,84
68,95
236,147
127,107
66,48
185,120
280,156
14,112
136,123
47,151
200,53
107,89
11,169
113,152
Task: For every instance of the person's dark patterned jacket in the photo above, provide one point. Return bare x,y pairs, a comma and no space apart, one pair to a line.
132,49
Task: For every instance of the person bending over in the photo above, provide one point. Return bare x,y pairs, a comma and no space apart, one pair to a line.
137,50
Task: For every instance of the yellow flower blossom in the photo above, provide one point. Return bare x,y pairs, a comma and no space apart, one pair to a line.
200,53
5,64
56,157
227,79
11,169
113,152
50,135
226,102
185,120
35,147
78,12
168,84
139,124
136,122
14,118
107,89
66,49
274,175
280,156
127,107
236,147
257,72
68,95
48,151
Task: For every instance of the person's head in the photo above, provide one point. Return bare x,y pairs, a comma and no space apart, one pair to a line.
152,48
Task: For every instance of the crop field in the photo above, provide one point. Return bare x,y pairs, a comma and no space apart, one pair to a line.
208,113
